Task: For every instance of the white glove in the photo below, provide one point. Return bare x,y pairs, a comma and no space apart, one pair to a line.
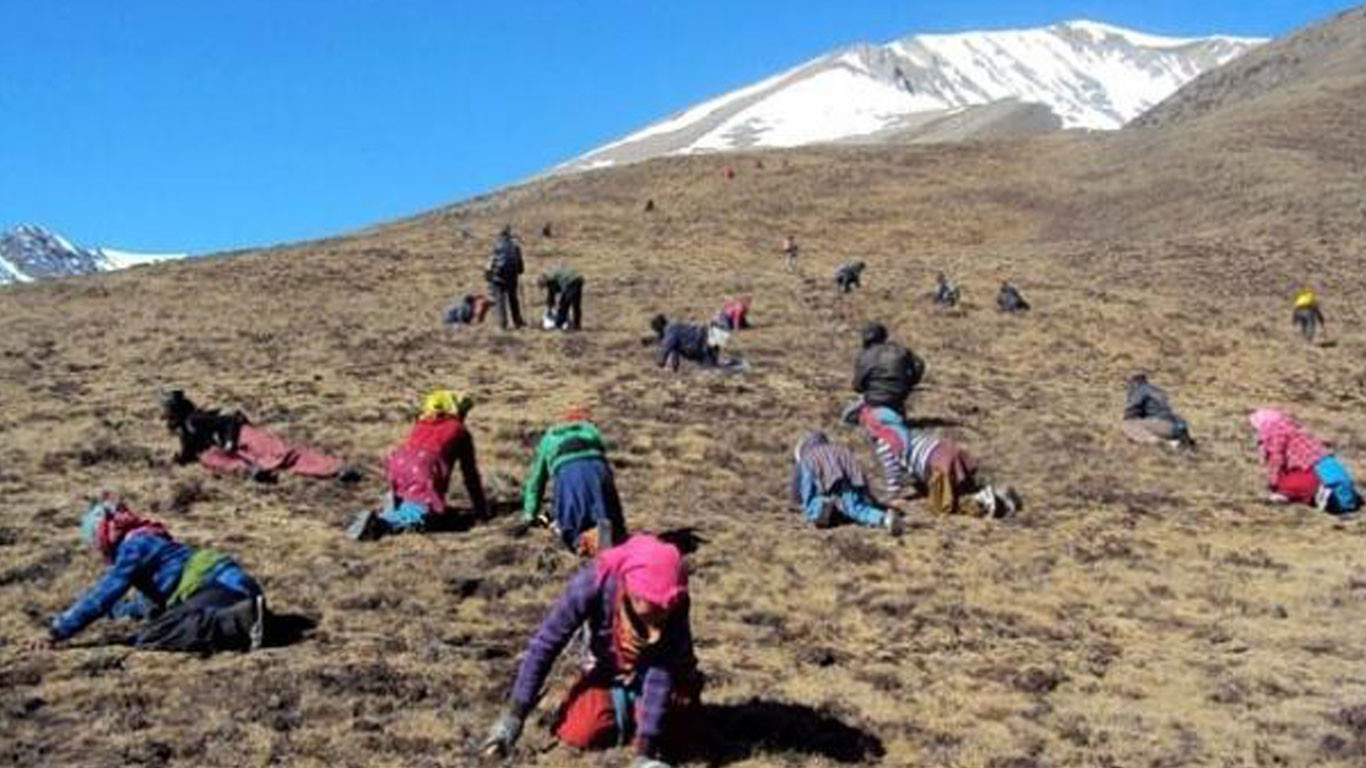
502,736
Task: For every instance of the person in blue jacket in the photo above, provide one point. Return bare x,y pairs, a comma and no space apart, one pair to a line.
196,600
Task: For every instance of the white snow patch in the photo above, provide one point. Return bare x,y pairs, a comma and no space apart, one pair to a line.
123,259
6,267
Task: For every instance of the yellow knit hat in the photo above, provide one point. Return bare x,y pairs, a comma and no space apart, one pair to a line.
446,402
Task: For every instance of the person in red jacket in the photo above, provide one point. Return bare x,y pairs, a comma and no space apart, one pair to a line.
419,471
734,314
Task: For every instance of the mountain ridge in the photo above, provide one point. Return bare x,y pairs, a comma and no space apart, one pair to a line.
1090,74
30,252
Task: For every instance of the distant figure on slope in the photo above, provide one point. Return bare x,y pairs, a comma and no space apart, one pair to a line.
886,372
586,512
931,465
547,231
563,299
640,682
828,484
686,341
230,443
194,600
503,273
790,252
650,205
847,276
469,310
734,315
945,293
419,472
1149,418
728,172
1010,300
1307,315
1299,468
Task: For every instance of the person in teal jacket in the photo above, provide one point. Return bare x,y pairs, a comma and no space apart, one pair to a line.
586,512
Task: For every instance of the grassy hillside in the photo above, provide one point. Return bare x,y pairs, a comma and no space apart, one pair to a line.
1146,609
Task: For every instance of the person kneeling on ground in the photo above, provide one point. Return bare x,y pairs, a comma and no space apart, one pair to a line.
587,512
734,315
934,466
642,684
231,443
828,483
196,600
886,372
563,299
848,275
1307,315
686,341
1010,300
1148,418
419,472
1299,468
945,293
470,310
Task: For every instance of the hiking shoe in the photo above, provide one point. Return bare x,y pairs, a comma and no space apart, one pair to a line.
892,522
826,517
262,476
1323,499
258,623
986,501
349,475
366,527
1011,504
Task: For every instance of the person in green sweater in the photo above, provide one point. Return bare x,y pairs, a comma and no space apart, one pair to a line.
563,299
586,512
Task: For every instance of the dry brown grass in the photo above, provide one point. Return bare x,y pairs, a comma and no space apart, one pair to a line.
1147,609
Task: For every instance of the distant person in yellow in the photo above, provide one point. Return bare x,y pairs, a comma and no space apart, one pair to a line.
1307,316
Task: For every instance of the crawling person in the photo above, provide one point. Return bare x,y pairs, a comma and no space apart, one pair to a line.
469,310
885,372
848,275
228,443
1308,317
945,293
193,600
586,510
640,683
733,315
829,485
419,472
932,465
676,341
1300,469
1149,418
1009,299
563,299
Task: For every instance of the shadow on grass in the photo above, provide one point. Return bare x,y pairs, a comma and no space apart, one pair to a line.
742,731
285,629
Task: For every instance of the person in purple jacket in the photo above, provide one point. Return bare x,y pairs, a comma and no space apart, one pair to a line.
642,684
200,600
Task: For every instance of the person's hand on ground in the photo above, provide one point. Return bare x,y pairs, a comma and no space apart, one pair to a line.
43,643
502,736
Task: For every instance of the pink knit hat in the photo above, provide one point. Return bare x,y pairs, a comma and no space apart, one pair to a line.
648,568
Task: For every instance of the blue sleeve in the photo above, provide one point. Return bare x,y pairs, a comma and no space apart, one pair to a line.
136,607
100,600
660,679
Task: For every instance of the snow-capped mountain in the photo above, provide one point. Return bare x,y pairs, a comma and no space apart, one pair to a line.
29,253
1089,75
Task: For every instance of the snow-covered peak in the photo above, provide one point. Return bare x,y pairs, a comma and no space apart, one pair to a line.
1089,74
30,252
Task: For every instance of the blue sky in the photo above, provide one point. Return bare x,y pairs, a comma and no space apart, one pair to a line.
211,125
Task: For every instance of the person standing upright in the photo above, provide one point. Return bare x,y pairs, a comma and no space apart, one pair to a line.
504,272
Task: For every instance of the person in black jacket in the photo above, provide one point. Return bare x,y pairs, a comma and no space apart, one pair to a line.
503,273
676,341
847,276
945,294
1010,300
1149,418
886,372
